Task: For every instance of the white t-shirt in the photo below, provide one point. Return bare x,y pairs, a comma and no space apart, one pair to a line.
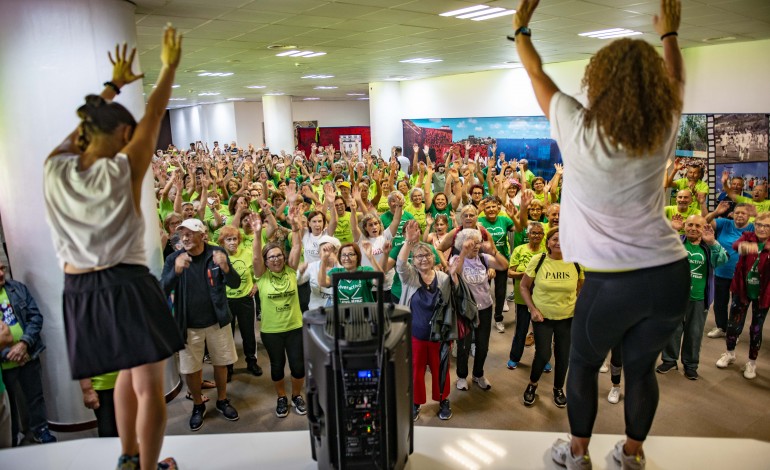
319,296
310,246
404,162
380,254
611,203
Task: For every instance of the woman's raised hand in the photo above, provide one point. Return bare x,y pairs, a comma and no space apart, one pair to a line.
122,65
171,50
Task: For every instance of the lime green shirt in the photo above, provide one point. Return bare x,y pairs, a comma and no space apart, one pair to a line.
343,232
519,260
763,206
13,324
243,265
555,291
279,300
104,381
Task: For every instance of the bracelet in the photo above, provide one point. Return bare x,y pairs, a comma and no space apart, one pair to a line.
672,33
114,87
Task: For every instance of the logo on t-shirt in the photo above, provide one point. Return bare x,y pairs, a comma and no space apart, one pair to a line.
9,318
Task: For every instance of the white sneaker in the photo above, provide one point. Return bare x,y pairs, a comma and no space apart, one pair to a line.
750,370
604,368
726,359
562,455
500,327
482,382
462,384
716,333
506,307
614,395
627,462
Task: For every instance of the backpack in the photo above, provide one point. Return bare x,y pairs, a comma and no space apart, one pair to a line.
537,268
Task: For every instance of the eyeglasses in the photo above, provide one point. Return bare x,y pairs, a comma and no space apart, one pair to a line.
275,258
762,226
536,234
348,255
421,257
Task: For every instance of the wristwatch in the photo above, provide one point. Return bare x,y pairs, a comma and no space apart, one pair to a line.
522,30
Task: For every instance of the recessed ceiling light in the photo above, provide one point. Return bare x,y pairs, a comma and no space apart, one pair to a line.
175,86
356,94
493,15
208,93
310,99
318,76
420,61
177,99
277,93
479,13
363,98
287,53
316,54
464,10
256,86
396,79
296,53
235,99
325,88
215,74
610,33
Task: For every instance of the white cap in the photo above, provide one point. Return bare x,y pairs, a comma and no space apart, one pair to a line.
193,224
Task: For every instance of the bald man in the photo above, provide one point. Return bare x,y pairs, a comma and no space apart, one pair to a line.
704,254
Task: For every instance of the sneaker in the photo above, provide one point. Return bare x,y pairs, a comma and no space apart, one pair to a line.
462,384
511,297
44,436
691,374
529,395
128,462
547,369
169,463
506,307
512,365
559,398
282,408
473,349
604,368
726,359
562,455
227,410
500,327
482,382
666,367
299,405
444,410
614,396
627,462
416,411
749,371
716,332
196,420
253,367
530,340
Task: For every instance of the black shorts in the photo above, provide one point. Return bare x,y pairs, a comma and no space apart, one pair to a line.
117,319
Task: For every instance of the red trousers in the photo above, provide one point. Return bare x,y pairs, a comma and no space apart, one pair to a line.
426,353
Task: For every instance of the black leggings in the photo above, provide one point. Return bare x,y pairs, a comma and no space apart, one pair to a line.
558,333
245,315
639,310
501,284
616,364
721,301
481,338
281,345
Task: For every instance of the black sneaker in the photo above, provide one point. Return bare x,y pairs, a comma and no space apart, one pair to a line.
227,410
44,436
665,367
444,410
559,399
282,408
415,411
229,373
196,420
299,405
253,367
691,374
529,395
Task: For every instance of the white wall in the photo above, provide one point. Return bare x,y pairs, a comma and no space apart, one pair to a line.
208,123
332,113
248,123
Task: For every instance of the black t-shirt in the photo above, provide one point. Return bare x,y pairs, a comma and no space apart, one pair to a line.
200,310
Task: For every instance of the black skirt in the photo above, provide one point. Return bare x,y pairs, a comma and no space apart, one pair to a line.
117,319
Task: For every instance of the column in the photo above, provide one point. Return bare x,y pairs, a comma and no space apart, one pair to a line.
385,116
279,124
52,54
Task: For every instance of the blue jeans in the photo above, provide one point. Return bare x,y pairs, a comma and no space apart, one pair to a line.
688,334
29,378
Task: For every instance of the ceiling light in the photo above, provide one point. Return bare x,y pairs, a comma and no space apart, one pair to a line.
464,10
177,99
419,61
175,86
318,76
287,53
363,98
256,86
215,74
316,54
396,79
208,93
325,88
310,99
301,54
494,15
479,13
610,33
277,93
356,94
296,53
235,99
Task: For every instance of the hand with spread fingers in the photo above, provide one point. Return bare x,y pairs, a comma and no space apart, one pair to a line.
122,65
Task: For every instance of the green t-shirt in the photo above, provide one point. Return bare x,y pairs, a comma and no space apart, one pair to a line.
165,207
243,264
763,206
752,278
447,211
700,187
698,270
13,324
279,300
354,291
387,219
670,211
520,259
417,214
499,232
104,381
343,232
395,288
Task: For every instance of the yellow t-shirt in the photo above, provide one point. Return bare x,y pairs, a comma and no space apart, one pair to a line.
343,232
520,260
555,291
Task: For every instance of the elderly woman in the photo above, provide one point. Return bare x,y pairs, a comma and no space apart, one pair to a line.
551,305
624,134
425,290
281,325
350,291
170,224
241,299
473,263
467,219
370,230
309,272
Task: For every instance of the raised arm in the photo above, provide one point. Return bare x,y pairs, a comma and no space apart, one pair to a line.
667,26
296,237
542,84
257,260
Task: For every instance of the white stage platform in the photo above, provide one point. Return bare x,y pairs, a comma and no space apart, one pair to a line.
435,448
